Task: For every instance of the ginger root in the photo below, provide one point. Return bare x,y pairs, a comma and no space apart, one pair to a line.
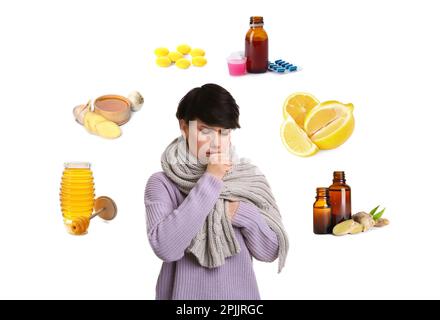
365,219
100,126
382,222
347,227
91,119
108,129
360,222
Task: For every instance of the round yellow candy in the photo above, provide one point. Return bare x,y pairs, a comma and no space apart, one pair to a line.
174,56
163,62
184,49
161,52
199,61
197,52
183,63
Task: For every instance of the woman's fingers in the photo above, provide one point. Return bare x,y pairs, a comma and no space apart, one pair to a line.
219,158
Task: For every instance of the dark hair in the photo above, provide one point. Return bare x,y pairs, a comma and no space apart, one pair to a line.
212,104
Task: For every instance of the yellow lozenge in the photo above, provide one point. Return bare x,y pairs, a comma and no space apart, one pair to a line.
184,49
197,52
183,63
174,56
199,61
163,62
161,52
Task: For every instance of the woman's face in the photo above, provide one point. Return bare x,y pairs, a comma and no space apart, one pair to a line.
205,141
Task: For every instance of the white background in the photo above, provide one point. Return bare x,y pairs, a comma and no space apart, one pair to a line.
380,55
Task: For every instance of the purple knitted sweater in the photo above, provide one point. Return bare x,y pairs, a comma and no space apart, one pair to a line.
173,220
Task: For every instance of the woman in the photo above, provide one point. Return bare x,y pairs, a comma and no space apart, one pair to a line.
208,213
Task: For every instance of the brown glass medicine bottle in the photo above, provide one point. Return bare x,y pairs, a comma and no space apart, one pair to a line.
256,47
340,198
322,221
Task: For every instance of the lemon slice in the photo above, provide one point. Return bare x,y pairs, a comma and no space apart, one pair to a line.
330,124
296,140
297,105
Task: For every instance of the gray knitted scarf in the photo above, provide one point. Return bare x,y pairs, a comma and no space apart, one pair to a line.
216,240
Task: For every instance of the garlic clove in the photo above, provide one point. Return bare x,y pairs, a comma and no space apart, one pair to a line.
80,111
136,101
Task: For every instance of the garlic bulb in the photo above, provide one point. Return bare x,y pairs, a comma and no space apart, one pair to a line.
136,100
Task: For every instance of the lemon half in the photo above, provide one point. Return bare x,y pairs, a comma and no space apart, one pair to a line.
330,124
298,105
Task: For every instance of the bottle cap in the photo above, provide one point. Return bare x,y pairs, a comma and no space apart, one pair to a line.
77,165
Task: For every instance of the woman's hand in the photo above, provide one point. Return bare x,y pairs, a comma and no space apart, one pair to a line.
218,165
232,208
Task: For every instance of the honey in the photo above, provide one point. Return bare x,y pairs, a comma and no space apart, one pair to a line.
77,196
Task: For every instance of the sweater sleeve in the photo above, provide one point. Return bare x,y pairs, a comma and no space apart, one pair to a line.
170,230
261,241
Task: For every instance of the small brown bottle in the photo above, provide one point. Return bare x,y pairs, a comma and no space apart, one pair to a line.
322,221
340,198
256,47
